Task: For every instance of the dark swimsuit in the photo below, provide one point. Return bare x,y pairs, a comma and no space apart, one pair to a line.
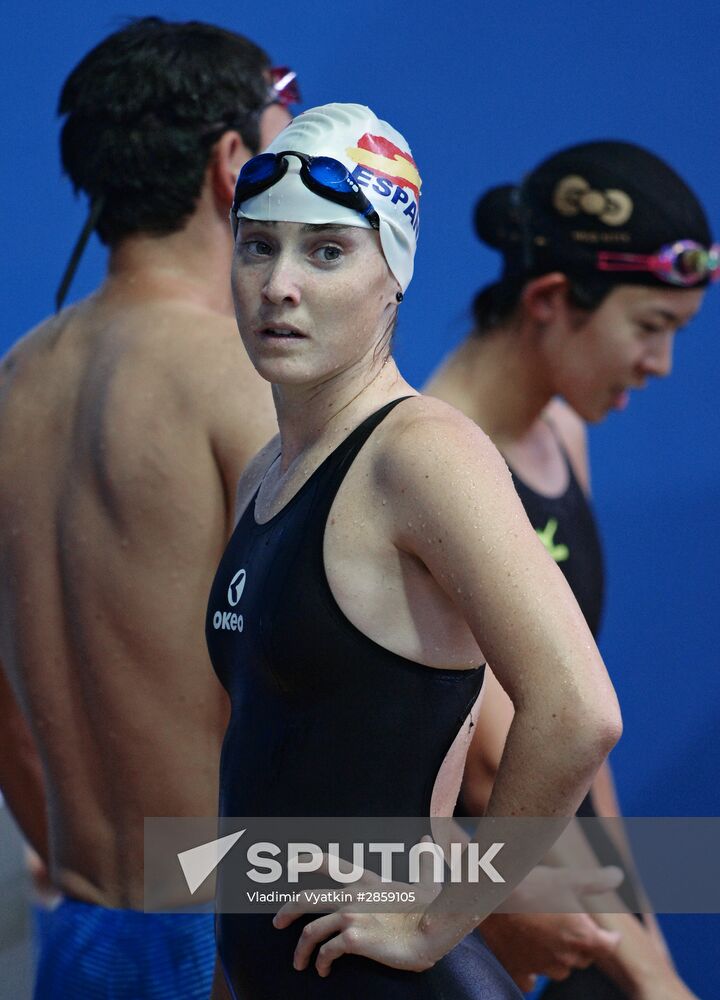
325,722
567,526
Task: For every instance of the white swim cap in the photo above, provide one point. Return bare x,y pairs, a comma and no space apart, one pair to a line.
379,161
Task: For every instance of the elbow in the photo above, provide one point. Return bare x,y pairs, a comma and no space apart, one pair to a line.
610,731
592,724
601,726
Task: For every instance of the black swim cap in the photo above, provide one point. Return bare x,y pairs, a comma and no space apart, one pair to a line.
598,196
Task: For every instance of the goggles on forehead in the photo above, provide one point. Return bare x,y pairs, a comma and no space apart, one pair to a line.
684,262
322,175
282,89
283,86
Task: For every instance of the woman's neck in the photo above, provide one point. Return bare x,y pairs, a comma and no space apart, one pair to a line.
496,380
331,408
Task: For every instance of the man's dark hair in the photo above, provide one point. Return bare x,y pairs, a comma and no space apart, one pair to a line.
143,110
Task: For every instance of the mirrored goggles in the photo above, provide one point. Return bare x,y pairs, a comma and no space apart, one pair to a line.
684,262
284,87
322,175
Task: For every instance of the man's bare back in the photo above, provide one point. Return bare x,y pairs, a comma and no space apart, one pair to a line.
117,478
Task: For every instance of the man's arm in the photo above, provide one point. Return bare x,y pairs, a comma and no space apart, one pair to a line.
21,775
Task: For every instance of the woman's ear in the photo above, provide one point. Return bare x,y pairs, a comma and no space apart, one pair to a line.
545,298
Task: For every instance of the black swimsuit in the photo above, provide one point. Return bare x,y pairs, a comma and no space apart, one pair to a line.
566,525
325,722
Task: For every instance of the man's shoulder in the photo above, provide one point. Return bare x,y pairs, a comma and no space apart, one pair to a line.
18,367
186,328
192,347
201,358
28,342
169,329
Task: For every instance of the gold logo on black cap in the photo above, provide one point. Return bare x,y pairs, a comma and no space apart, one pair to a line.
573,195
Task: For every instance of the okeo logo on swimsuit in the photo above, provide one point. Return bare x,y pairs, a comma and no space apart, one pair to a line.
388,171
231,621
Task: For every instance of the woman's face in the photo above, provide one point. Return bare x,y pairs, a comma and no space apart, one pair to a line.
627,340
311,301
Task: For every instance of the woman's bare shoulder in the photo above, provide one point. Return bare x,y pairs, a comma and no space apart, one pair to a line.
572,431
428,435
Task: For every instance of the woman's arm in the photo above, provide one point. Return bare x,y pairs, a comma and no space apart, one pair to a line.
605,802
637,965
457,511
572,431
486,748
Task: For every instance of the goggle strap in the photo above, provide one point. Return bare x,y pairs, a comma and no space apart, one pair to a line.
96,206
608,261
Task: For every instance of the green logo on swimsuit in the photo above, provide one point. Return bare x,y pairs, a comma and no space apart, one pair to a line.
547,536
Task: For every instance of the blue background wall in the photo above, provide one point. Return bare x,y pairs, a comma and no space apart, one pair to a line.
483,92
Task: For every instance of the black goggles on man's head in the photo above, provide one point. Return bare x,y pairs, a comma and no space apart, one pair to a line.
282,89
322,175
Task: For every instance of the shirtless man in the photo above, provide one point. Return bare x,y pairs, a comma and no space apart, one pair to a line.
117,481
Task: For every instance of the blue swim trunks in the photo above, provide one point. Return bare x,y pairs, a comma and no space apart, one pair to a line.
93,953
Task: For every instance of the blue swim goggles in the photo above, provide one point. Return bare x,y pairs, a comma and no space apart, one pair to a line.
322,175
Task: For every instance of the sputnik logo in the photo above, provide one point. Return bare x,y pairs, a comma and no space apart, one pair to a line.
200,862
